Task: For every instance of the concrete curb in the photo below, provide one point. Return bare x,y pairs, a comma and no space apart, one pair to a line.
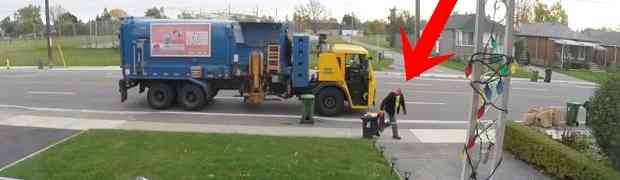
462,77
379,73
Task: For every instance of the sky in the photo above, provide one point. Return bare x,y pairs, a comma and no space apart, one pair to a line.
582,13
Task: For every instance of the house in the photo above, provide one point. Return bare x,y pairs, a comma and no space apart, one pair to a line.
556,45
611,42
349,32
458,35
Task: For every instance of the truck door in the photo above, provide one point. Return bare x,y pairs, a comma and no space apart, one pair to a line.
357,78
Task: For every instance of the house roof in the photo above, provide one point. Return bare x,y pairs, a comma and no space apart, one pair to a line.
607,38
552,30
467,23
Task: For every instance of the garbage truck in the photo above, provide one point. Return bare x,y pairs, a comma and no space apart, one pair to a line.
187,62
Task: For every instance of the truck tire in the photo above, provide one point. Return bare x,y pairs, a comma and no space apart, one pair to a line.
160,95
192,97
329,101
213,94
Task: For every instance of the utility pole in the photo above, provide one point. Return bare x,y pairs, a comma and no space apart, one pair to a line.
476,71
47,34
417,23
500,126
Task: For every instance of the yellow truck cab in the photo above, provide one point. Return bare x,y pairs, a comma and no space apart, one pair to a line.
345,76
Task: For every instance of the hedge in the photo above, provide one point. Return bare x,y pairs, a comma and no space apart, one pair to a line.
552,157
605,120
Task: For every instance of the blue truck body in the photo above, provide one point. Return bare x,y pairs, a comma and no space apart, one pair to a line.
223,65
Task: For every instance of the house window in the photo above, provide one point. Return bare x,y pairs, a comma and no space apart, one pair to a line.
464,38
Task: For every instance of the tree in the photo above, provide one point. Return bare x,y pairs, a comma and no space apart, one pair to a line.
605,120
524,11
157,13
186,15
395,21
66,23
56,12
8,26
374,27
350,21
29,20
312,13
117,13
556,13
105,16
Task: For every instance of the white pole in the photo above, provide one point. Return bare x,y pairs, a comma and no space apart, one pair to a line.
562,58
500,127
480,15
616,56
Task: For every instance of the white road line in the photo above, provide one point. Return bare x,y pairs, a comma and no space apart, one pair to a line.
424,103
529,89
408,102
40,150
409,84
406,121
51,93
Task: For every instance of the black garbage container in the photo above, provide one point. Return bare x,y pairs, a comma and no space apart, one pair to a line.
370,125
548,75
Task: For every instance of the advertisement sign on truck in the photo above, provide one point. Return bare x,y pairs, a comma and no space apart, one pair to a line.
181,40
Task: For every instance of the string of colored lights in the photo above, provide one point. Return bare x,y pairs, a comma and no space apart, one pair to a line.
492,87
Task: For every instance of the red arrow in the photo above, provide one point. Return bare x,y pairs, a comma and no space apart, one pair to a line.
417,60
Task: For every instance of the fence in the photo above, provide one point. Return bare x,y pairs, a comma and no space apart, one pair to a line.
73,44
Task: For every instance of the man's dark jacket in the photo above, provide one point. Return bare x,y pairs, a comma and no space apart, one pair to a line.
388,104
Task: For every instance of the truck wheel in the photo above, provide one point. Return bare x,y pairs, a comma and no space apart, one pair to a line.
213,94
160,95
330,102
192,97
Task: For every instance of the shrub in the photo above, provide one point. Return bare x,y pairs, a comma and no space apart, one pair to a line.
605,121
553,157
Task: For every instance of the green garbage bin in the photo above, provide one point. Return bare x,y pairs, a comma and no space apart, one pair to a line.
308,103
572,111
534,76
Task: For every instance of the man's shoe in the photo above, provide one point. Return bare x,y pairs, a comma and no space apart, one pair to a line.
396,137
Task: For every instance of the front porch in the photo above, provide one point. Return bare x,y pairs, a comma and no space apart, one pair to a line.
570,54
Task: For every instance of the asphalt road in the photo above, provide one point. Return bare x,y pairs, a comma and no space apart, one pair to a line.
431,102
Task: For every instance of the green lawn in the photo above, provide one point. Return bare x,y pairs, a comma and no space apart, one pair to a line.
117,154
586,75
378,40
522,72
28,52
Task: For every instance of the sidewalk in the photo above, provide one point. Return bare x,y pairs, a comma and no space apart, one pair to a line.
428,154
434,155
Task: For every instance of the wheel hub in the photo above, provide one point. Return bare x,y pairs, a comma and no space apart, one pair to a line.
191,97
159,95
329,102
